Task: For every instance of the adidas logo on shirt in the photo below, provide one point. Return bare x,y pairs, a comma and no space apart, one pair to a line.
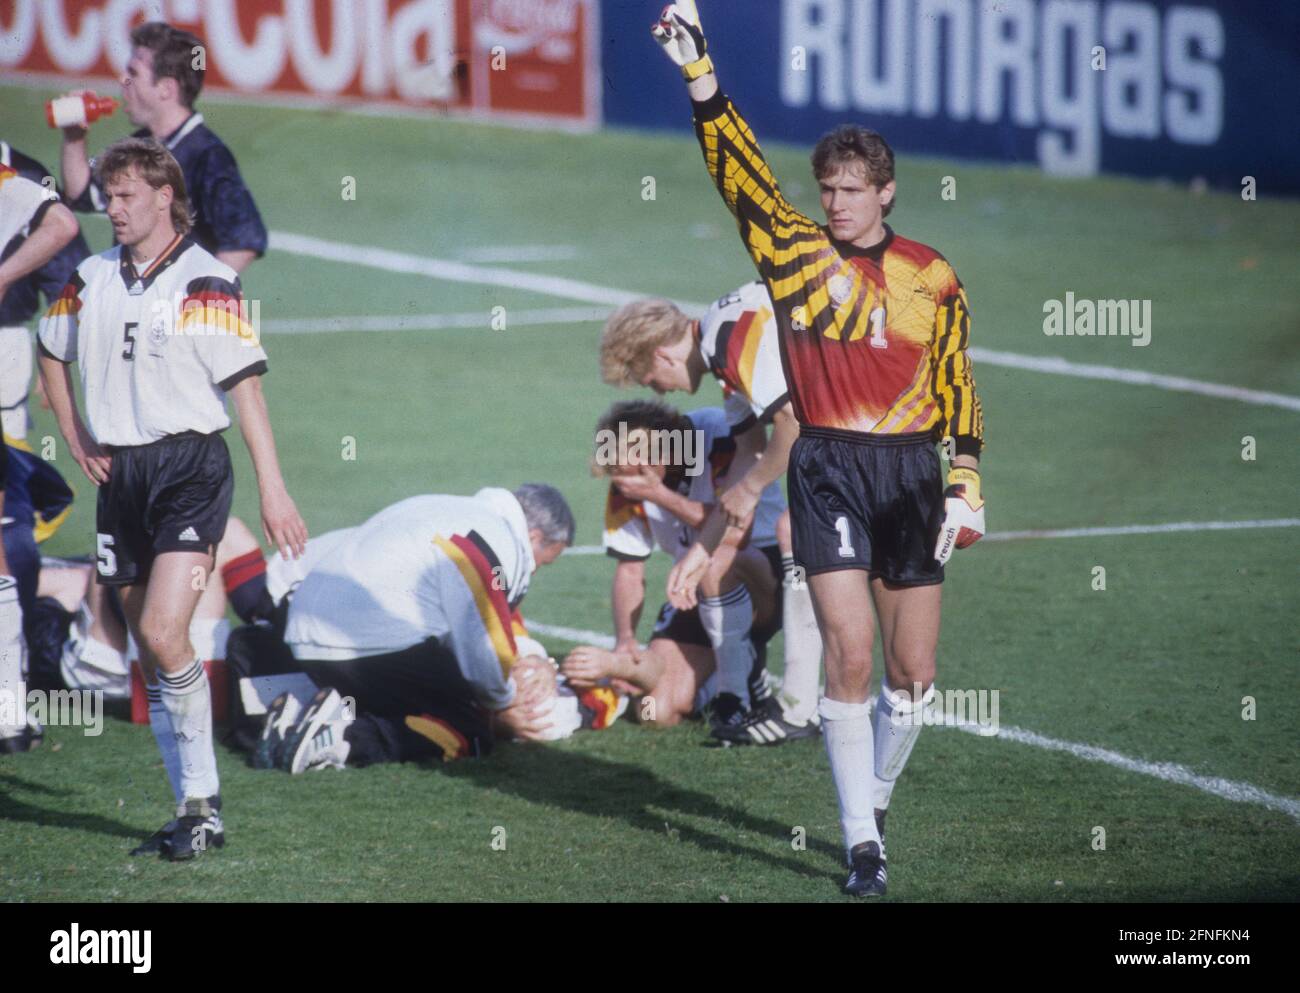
189,534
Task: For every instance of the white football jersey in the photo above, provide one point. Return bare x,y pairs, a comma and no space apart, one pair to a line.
22,204
284,576
158,349
447,567
634,527
740,343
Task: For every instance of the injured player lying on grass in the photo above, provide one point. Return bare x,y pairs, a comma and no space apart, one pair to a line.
407,635
714,655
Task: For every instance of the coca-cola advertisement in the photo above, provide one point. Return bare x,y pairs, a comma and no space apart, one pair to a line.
528,59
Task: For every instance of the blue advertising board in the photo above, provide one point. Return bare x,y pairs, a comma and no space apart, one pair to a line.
1078,87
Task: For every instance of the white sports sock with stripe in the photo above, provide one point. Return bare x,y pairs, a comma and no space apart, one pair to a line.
13,660
847,730
188,700
896,725
160,722
726,619
803,647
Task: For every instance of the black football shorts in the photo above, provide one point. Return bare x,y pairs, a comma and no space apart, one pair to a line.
172,495
869,502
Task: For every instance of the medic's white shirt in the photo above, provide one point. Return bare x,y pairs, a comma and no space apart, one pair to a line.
447,567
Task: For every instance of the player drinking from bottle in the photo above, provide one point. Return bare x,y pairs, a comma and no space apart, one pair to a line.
873,331
161,84
156,328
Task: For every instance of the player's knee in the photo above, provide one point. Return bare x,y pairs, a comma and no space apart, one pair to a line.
907,667
167,645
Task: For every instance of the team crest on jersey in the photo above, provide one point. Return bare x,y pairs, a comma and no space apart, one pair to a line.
158,331
839,287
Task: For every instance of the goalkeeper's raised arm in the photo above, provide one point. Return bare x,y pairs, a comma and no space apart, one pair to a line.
731,152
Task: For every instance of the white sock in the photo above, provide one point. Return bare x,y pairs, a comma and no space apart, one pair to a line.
161,723
13,660
803,648
15,380
726,620
896,723
847,730
188,700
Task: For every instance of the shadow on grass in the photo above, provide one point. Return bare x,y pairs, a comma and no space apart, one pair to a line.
13,809
597,787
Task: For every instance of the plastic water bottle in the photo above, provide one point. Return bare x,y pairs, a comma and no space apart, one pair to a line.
78,110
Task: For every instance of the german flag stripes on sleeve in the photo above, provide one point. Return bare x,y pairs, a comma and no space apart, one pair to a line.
480,622
742,176
214,313
627,534
58,329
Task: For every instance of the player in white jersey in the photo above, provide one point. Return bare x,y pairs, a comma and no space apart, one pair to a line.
652,343
157,329
31,216
665,471
414,616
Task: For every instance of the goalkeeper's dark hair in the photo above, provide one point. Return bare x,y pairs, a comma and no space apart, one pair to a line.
852,143
546,510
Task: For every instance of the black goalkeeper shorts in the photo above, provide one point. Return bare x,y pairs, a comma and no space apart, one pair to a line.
869,502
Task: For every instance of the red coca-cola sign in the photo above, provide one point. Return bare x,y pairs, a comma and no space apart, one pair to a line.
532,58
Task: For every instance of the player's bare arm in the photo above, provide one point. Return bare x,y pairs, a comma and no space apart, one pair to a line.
95,462
738,501
281,524
57,227
74,160
237,258
627,597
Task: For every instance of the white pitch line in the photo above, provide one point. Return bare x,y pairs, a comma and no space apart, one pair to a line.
1170,772
1098,532
1281,522
456,272
521,253
1177,384
573,289
433,322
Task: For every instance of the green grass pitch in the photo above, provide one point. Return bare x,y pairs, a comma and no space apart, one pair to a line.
1155,667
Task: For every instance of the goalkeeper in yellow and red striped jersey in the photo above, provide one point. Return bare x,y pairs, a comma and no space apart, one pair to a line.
873,329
